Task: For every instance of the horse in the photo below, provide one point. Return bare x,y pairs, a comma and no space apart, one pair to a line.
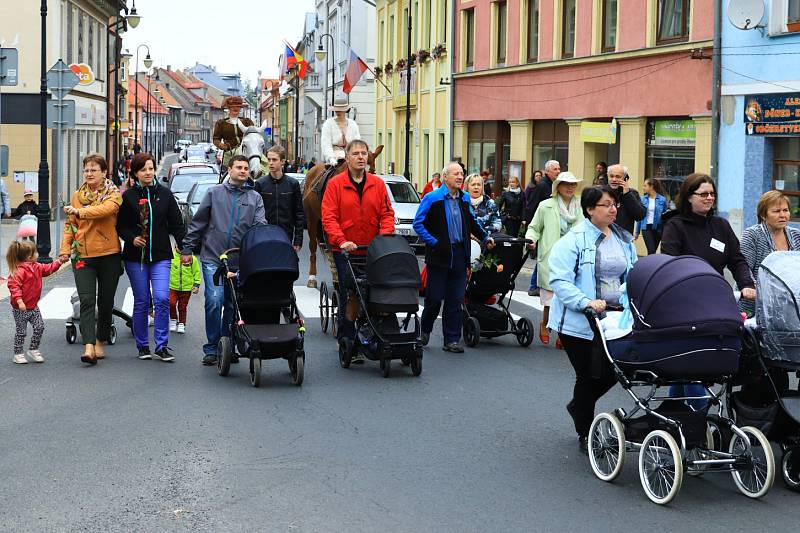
312,205
253,147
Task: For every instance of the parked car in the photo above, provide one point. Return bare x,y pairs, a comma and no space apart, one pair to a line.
192,201
196,168
301,178
180,144
405,201
182,180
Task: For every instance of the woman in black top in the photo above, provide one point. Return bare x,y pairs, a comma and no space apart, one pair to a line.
511,205
148,216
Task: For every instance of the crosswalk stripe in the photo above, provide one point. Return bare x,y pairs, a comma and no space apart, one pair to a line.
56,303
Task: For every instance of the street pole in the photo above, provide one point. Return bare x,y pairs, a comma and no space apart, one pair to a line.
136,93
296,112
407,171
115,142
43,230
147,118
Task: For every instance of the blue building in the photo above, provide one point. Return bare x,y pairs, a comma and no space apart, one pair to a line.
230,84
759,141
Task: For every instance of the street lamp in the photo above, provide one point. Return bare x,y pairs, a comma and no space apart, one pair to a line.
43,228
133,17
147,64
117,28
322,55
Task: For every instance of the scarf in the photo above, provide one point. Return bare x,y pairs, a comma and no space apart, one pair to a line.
515,191
476,201
107,191
568,213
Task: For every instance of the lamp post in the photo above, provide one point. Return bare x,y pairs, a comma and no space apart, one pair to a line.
43,231
322,55
147,64
407,171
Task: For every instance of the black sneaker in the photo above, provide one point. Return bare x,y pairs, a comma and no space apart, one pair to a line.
583,445
210,360
533,292
163,354
426,337
144,353
453,347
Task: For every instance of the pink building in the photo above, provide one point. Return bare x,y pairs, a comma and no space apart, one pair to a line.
583,81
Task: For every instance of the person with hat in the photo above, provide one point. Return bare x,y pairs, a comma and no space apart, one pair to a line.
553,219
228,132
28,207
337,132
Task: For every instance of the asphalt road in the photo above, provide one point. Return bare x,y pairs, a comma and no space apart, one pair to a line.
479,442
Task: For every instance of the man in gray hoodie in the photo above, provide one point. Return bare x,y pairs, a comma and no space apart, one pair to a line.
226,212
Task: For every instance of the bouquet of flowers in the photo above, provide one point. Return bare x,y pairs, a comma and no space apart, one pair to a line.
487,260
144,225
74,249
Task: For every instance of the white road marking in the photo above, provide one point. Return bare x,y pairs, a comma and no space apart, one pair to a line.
127,303
56,305
531,301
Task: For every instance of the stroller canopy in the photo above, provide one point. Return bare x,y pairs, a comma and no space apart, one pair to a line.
392,263
681,295
778,305
267,249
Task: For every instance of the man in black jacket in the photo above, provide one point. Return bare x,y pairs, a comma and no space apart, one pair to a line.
631,209
283,199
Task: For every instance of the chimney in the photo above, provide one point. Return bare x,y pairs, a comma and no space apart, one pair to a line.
169,67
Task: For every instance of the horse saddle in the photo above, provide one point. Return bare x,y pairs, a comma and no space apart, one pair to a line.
322,182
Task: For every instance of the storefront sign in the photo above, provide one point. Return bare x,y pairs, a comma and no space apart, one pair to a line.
772,114
673,133
91,115
84,73
599,132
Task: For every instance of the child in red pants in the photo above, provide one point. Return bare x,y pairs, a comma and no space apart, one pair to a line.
183,282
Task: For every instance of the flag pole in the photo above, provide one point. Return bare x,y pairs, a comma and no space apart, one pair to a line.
377,78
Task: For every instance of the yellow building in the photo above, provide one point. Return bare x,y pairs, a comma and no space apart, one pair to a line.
430,109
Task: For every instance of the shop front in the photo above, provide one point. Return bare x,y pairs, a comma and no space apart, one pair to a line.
670,154
489,149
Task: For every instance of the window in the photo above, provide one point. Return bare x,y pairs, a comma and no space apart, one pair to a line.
390,59
70,33
469,37
550,141
80,38
416,24
533,31
502,29
443,24
673,21
426,155
427,38
486,141
404,49
381,35
609,25
390,151
568,28
786,174
793,15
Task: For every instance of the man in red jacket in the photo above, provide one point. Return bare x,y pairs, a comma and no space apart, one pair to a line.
355,209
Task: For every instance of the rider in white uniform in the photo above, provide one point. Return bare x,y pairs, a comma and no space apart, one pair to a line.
337,131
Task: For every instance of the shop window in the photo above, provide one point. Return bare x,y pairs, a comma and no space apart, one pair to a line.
469,38
489,148
533,31
609,25
568,28
502,28
550,141
786,173
670,153
793,15
673,21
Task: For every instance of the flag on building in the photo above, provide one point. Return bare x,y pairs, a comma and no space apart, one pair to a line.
355,69
294,59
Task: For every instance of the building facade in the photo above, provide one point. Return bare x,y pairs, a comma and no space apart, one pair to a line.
430,96
760,112
583,81
229,84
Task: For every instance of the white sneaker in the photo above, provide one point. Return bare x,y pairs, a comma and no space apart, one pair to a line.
36,355
181,328
20,359
173,324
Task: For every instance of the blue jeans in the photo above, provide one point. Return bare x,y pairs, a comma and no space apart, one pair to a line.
446,284
345,328
677,391
219,309
534,284
143,276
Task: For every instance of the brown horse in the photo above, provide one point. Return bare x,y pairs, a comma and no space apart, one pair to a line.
312,205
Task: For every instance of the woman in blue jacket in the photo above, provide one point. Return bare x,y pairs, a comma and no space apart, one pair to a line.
650,227
587,267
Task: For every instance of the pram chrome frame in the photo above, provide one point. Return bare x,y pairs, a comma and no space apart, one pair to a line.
693,459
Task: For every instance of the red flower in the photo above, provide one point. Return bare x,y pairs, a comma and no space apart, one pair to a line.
143,201
79,265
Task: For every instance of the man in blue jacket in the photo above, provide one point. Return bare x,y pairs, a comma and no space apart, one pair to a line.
445,222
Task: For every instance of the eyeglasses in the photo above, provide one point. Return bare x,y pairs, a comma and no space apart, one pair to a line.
608,206
705,195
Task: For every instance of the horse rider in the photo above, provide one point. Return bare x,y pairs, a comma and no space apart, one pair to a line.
337,132
228,132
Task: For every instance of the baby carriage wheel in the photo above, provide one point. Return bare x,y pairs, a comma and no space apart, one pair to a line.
790,468
345,352
524,332
72,334
297,367
334,312
255,371
386,366
606,446
755,481
416,365
324,307
472,332
224,351
660,467
112,335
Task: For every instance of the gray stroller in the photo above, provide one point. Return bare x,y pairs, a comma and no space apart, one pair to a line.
73,323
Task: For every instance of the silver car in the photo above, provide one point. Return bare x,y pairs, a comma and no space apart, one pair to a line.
405,201
192,201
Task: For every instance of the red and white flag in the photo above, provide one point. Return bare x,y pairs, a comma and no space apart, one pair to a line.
355,69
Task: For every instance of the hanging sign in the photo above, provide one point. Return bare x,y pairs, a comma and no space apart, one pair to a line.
772,114
599,132
84,72
673,133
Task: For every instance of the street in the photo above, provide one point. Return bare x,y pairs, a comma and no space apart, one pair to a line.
480,442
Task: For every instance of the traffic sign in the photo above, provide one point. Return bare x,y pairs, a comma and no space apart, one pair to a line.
67,114
9,60
61,79
4,160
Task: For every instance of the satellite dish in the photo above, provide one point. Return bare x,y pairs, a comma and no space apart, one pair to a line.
746,14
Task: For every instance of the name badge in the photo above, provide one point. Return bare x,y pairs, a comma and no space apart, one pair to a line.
717,245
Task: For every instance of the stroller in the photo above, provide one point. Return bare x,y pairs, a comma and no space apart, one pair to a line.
766,400
390,286
686,330
265,323
73,323
483,319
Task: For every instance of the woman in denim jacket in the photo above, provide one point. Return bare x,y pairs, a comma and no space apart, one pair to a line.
587,267
650,227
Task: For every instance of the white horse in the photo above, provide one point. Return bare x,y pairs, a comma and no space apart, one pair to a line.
253,147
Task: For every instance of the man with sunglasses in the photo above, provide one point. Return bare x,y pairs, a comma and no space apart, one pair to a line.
630,208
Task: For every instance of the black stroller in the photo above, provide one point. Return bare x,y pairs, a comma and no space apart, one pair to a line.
482,319
266,323
390,286
687,330
766,400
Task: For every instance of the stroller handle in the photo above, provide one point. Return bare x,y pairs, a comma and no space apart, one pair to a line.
521,240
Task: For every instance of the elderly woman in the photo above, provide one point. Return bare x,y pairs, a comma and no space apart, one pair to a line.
771,234
90,241
484,207
511,205
554,218
148,216
587,267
